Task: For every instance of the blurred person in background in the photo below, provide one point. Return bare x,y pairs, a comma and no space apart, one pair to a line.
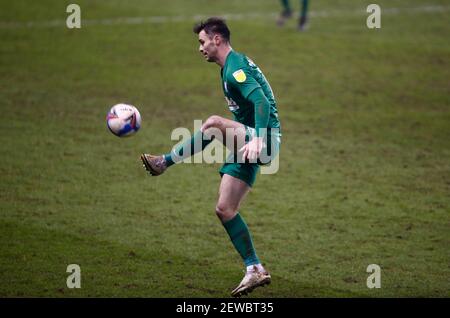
287,13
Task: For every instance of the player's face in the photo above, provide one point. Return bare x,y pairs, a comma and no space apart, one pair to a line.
208,46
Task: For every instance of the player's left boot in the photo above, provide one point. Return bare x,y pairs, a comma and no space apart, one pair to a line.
284,16
155,165
252,279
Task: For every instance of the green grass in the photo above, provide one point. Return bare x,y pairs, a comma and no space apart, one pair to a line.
364,167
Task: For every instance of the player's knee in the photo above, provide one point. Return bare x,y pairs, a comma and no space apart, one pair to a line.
224,212
213,121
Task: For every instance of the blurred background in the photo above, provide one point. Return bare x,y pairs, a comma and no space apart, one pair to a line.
364,166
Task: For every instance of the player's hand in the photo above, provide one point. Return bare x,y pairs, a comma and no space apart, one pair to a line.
252,150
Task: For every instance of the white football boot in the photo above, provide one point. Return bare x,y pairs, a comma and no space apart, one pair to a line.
252,279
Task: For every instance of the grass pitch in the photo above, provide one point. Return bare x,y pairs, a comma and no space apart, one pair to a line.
364,167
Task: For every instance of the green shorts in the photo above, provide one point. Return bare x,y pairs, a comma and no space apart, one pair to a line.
246,171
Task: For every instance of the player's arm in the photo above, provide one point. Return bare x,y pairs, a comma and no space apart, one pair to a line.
262,111
249,88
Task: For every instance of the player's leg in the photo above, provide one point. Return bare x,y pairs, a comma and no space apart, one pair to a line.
215,127
286,5
231,193
303,20
287,10
285,14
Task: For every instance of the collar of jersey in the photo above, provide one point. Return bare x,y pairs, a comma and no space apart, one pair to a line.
226,60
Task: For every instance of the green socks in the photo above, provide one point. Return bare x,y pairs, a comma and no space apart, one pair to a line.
242,240
187,149
286,6
303,4
304,10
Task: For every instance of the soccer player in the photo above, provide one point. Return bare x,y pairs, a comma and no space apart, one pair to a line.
251,101
287,13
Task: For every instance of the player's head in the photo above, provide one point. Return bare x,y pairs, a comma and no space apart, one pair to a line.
213,34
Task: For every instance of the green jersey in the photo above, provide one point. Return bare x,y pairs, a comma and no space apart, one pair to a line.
240,77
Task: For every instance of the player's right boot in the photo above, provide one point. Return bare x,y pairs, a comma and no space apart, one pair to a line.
252,279
155,165
302,24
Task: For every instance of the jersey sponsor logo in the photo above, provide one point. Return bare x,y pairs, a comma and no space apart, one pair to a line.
252,64
239,75
232,106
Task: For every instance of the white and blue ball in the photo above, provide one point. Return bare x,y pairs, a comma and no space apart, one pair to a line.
123,120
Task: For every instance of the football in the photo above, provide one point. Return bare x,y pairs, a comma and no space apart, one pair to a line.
123,120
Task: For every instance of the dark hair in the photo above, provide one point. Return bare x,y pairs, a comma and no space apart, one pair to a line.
213,26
